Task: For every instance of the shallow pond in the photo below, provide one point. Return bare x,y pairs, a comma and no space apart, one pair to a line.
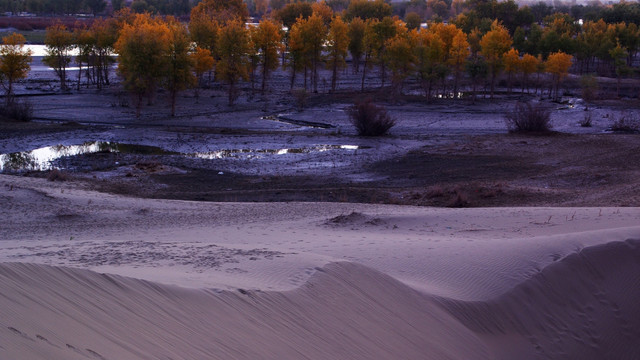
43,159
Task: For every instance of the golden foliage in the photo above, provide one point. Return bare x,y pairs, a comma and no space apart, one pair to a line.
14,62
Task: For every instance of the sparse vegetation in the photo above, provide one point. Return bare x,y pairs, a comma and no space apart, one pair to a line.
17,110
301,96
625,123
587,121
57,175
459,200
529,118
370,119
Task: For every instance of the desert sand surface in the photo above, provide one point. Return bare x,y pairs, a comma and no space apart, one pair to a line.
342,256
88,275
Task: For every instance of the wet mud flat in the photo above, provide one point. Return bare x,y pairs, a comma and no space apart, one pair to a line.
440,153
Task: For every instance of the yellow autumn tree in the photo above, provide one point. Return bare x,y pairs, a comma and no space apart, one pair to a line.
142,49
337,46
382,31
14,63
494,44
179,75
456,51
296,51
234,45
202,62
558,65
323,10
222,11
401,58
357,27
313,34
458,55
203,28
105,34
430,58
528,65
369,46
59,42
511,65
267,38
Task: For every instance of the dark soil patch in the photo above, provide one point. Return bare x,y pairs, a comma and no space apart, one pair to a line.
496,170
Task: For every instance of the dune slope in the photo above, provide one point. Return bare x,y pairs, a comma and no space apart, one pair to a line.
584,306
345,311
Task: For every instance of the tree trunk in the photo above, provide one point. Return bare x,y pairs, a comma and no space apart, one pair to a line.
364,72
173,102
334,76
265,66
293,77
79,75
231,92
493,80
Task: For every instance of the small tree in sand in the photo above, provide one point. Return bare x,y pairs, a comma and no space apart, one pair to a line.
14,63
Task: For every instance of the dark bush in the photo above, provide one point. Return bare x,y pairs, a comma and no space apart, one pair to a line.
370,119
19,111
57,175
625,123
527,117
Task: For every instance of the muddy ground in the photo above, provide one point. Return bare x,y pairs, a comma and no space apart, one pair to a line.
270,148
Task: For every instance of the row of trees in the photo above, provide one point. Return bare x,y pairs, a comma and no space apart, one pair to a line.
481,12
163,52
59,7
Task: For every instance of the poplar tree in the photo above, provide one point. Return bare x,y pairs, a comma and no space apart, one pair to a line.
142,49
337,45
357,28
59,43
233,46
267,38
179,74
558,65
495,44
14,63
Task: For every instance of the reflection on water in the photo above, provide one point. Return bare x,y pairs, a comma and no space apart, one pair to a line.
260,153
44,158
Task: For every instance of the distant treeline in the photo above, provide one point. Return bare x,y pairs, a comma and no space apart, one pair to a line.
509,13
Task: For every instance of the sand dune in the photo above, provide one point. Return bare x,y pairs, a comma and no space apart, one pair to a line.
311,280
582,306
345,311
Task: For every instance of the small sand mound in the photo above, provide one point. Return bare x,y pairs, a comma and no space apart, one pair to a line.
584,306
354,218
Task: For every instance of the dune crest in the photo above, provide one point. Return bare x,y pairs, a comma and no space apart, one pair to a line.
583,306
344,311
